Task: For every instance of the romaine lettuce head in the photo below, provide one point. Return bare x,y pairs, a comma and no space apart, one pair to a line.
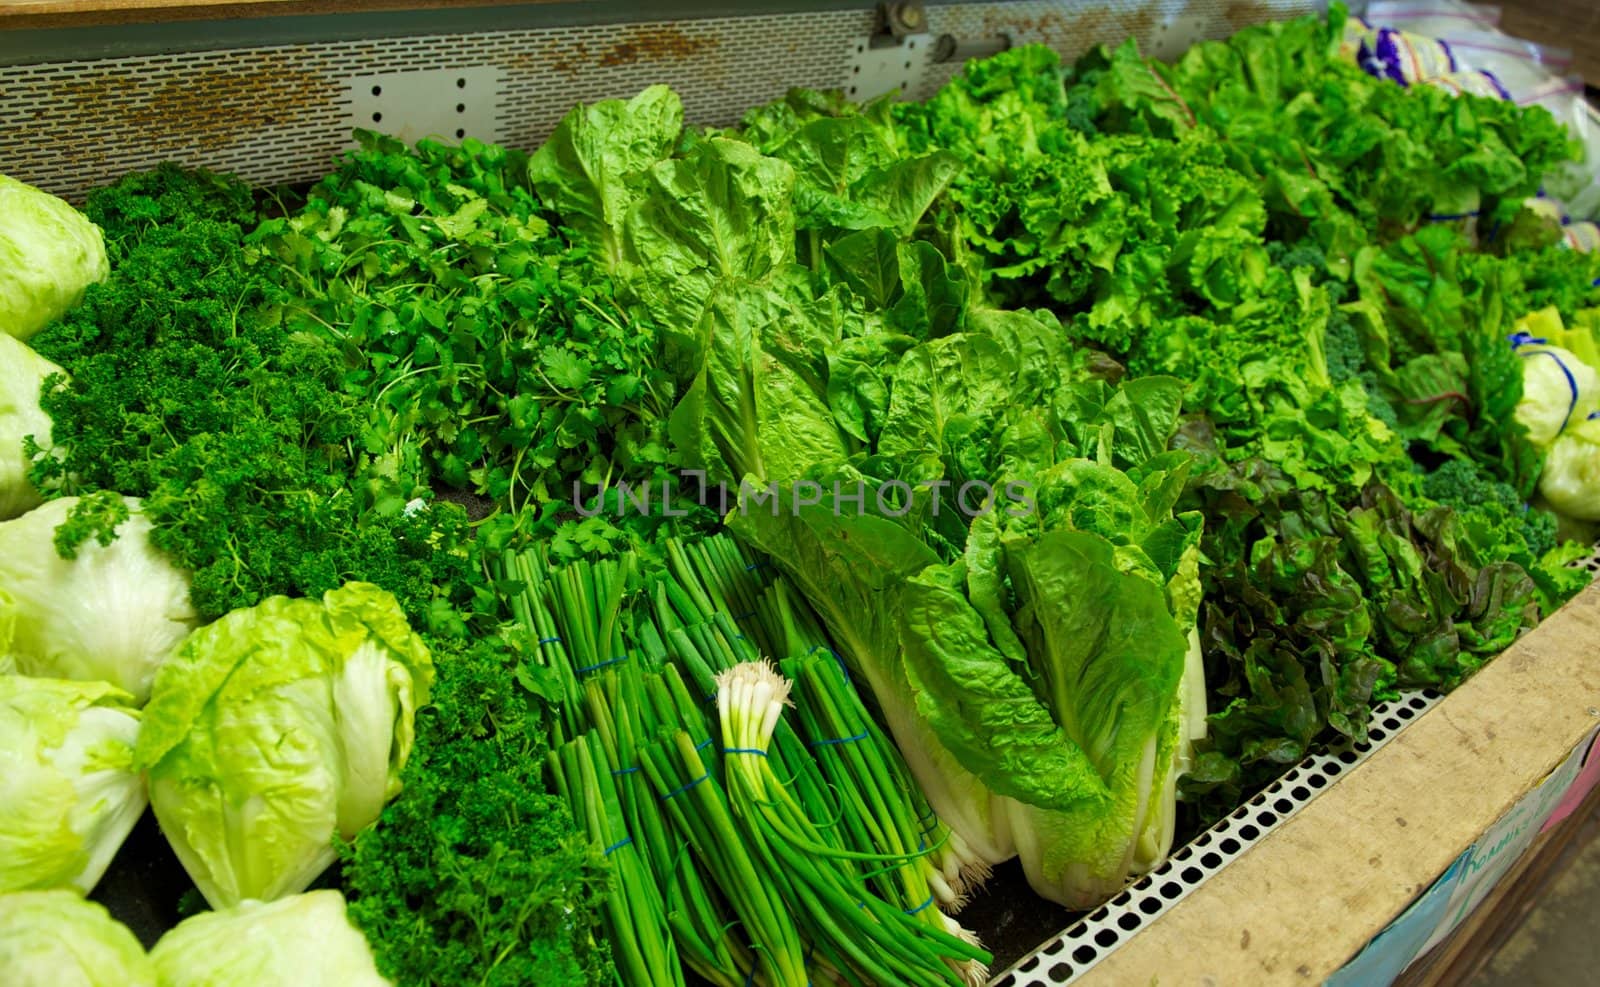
277,727
49,253
57,939
112,614
22,372
69,794
1571,477
305,940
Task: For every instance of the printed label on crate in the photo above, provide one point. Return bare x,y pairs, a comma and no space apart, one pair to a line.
1393,949
1505,841
1579,790
1451,898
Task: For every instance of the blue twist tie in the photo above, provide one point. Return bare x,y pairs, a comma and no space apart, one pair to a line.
618,845
1519,339
921,907
839,740
1572,382
598,665
745,750
1450,217
549,640
702,745
684,788
626,771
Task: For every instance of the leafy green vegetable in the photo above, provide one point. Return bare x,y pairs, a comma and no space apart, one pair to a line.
1314,610
276,727
49,252
69,794
187,391
302,939
51,938
474,872
1480,500
105,606
587,170
1272,227
22,376
1571,477
484,356
168,194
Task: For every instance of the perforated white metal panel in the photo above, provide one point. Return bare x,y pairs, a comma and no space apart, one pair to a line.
276,114
1592,563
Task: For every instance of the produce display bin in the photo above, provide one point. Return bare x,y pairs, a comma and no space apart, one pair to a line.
1287,889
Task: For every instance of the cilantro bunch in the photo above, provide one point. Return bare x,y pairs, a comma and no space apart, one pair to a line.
488,354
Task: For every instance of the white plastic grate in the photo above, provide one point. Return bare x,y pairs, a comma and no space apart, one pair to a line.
1089,940
280,114
1592,562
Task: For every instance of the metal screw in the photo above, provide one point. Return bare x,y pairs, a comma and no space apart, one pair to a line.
904,17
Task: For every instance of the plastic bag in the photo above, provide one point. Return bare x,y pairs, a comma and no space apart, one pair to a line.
1433,17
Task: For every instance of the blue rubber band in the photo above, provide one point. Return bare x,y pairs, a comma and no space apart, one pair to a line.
836,657
702,745
755,565
618,845
626,771
1593,415
1450,217
609,661
838,740
1525,339
746,615
744,750
684,788
921,907
549,640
